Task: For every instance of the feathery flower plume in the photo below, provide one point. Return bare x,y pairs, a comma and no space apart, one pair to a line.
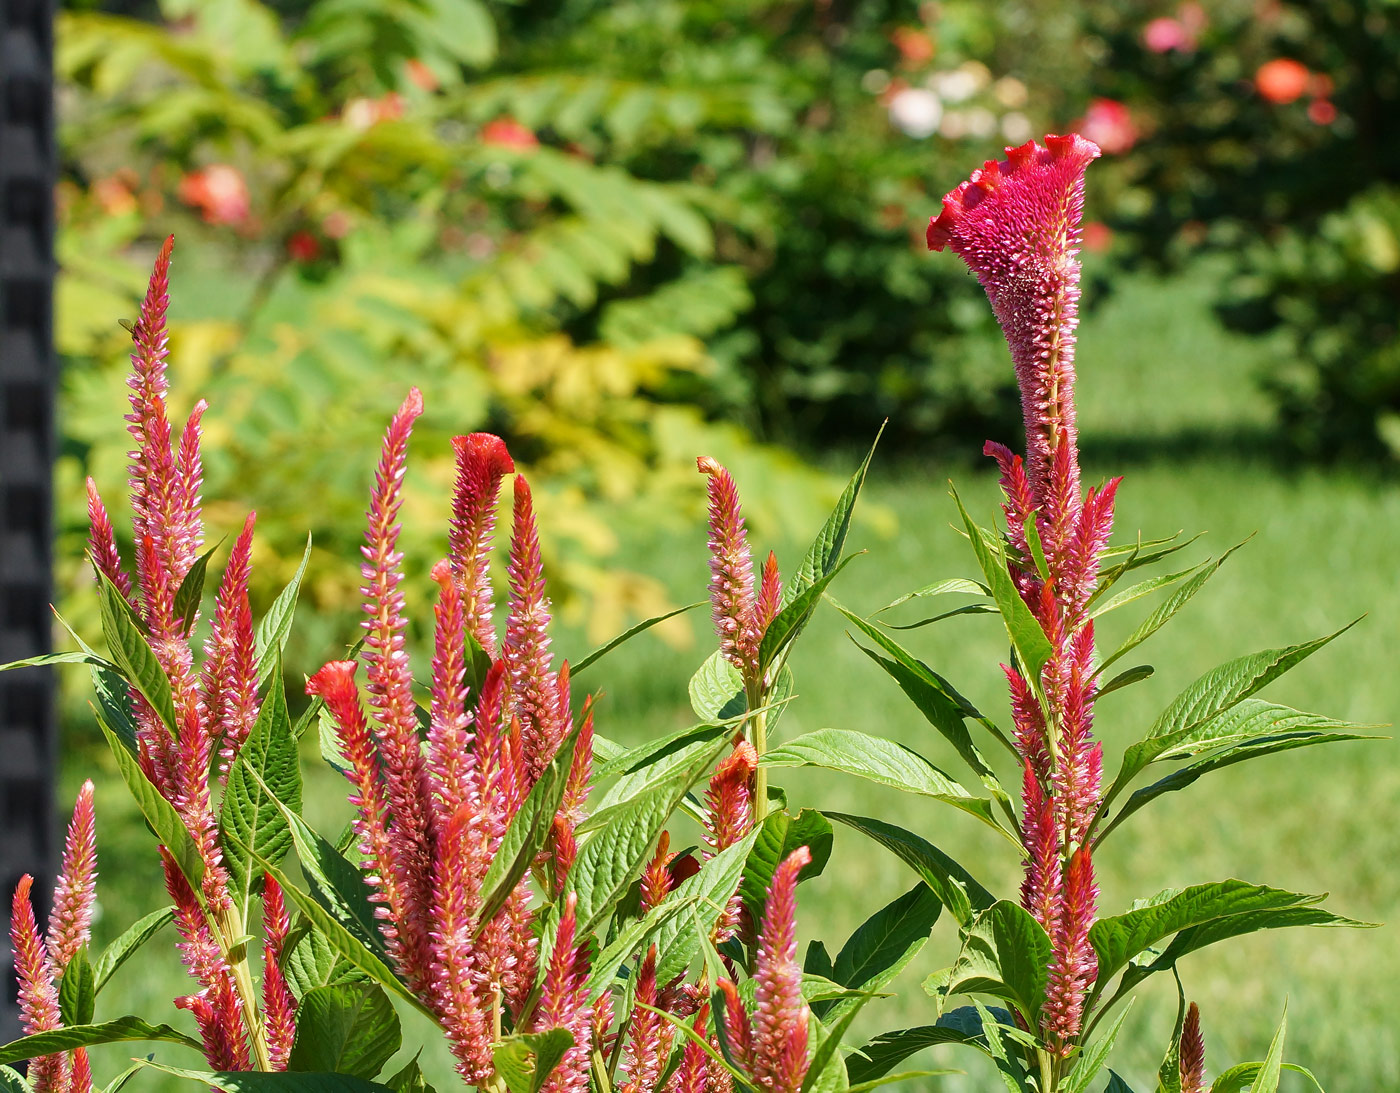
70,920
1192,1053
102,542
564,1004
729,817
649,1043
38,989
533,686
279,1004
230,678
693,1073
389,680
656,877
482,461
731,565
1016,225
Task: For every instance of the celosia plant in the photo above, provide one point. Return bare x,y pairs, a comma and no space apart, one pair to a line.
509,872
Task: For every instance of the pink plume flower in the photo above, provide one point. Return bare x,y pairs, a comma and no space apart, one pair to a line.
1016,224
279,1004
656,877
731,565
38,989
564,1004
230,678
70,921
390,683
533,685
482,461
102,542
1073,964
649,1046
780,1021
1192,1053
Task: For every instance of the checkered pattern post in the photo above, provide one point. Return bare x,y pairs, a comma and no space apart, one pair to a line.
27,711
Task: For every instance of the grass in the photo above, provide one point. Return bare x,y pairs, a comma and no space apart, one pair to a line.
1166,399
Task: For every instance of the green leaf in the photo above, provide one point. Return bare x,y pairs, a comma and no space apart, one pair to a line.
825,552
611,858
191,591
114,704
1239,1076
1191,712
108,1032
1266,1081
1037,549
885,1052
882,947
1116,1084
778,836
1255,728
77,990
259,1081
1126,678
265,772
1092,1059
1145,588
882,761
1118,939
525,1062
955,585
527,833
1169,1073
314,962
12,1081
45,659
159,814
274,627
955,887
350,1029
793,617
1005,954
717,691
132,654
632,632
124,947
1027,638
1166,609
410,1079
654,761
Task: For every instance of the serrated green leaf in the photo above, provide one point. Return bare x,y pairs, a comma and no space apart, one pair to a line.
1027,638
958,890
717,691
628,634
158,813
885,762
12,1081
46,659
77,990
524,1062
191,591
1005,953
1145,588
108,1032
350,1029
125,946
314,962
778,836
132,653
274,627
250,808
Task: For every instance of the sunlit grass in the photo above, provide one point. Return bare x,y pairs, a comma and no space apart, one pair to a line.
1320,820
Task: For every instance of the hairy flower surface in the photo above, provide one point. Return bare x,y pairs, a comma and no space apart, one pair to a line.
482,461
1192,1054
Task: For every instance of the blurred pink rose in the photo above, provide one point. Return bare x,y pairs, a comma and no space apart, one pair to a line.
218,192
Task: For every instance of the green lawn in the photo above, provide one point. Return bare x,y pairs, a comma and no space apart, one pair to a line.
1154,371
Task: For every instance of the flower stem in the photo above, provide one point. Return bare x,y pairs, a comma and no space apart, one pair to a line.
760,774
230,932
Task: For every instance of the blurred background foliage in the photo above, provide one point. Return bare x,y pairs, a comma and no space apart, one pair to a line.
621,233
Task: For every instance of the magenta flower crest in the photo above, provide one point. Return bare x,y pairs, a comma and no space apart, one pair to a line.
279,1004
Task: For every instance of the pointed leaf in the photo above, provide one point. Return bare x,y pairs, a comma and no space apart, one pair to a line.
191,591
46,659
132,653
778,836
1145,588
1266,1081
108,1032
825,551
259,1081
124,947
77,990
1126,678
604,650
955,887
524,1062
1005,954
885,1052
882,947
792,618
1092,1059
274,627
955,585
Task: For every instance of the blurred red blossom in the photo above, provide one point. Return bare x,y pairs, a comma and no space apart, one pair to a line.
1109,124
1282,80
1180,33
506,132
219,192
1098,237
302,246
916,47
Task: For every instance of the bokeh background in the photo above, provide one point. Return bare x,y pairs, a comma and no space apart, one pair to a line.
624,233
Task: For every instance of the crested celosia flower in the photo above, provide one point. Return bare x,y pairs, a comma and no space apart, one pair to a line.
482,461
1016,224
731,586
279,1004
771,1045
1192,1053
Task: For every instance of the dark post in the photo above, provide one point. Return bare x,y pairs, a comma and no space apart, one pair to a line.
27,372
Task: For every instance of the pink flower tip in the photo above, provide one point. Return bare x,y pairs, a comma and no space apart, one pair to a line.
1022,175
333,677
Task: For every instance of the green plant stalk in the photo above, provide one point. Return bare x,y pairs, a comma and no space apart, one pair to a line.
760,775
228,928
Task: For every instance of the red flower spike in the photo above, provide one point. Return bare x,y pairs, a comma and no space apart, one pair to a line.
731,583
390,684
1192,1053
781,1015
1041,889
581,772
38,990
279,1004
1016,225
564,1004
770,591
533,693
70,920
693,1074
656,878
650,1039
737,1028
81,1080
102,542
482,461
1073,964
230,678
